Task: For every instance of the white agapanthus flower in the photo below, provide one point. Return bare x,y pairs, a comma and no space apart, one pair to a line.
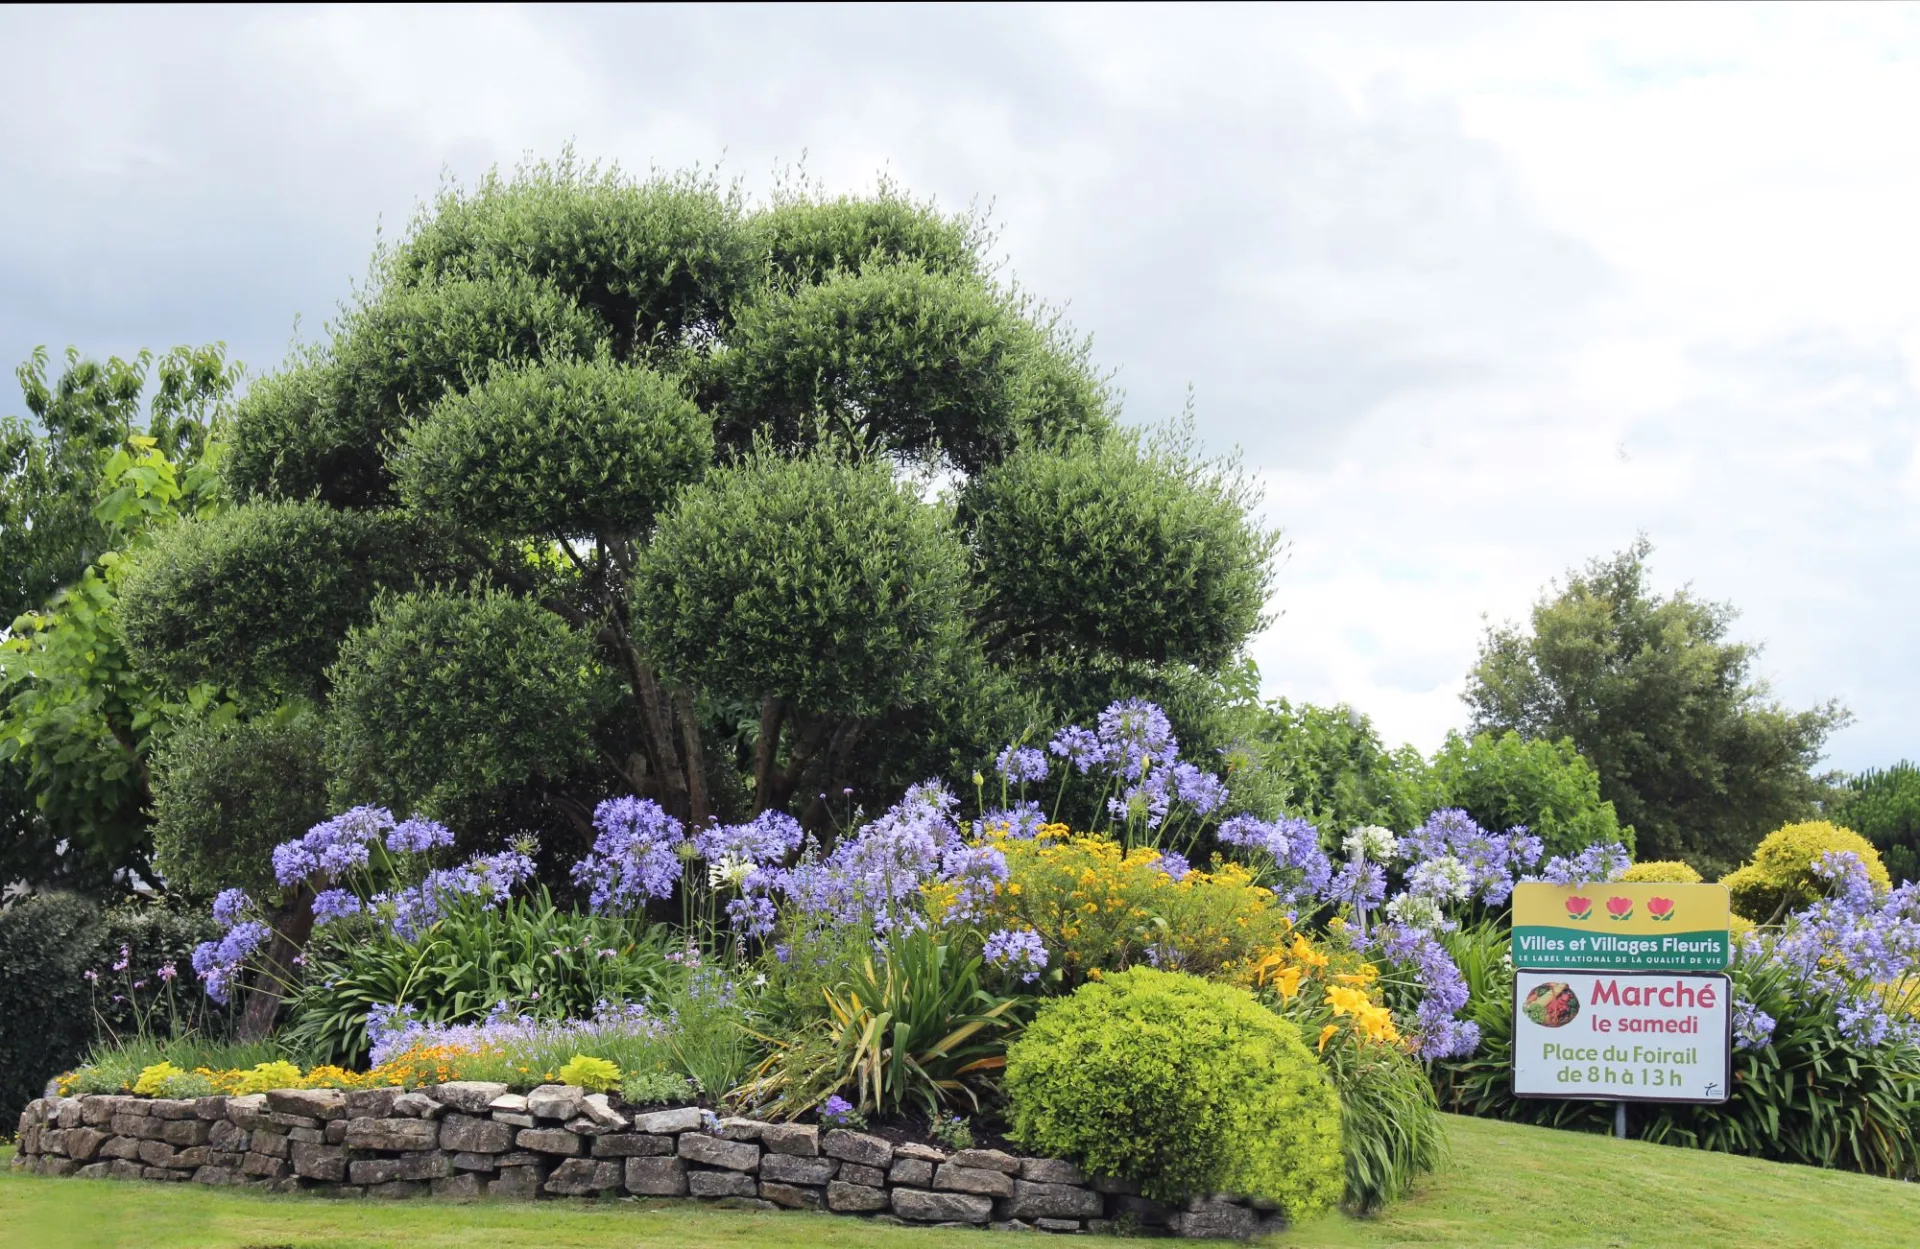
731,872
1372,843
1443,879
1415,911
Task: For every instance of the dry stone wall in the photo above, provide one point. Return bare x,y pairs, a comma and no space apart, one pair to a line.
472,1139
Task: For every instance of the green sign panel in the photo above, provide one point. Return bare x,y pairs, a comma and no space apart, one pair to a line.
1623,927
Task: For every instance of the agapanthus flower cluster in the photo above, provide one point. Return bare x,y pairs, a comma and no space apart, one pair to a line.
1022,765
1596,863
635,857
393,1030
1848,948
1136,736
219,963
1443,990
1475,864
1752,1027
976,872
1022,821
1370,841
418,836
488,879
1293,846
1358,884
768,838
1018,952
332,848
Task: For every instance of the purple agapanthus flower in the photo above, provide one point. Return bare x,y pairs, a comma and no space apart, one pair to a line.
1017,951
1022,765
767,838
229,906
1020,822
418,836
1292,846
635,858
332,904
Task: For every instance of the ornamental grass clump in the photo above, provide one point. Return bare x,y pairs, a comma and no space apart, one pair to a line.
1181,1085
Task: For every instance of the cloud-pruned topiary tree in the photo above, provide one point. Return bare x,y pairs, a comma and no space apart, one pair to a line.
614,483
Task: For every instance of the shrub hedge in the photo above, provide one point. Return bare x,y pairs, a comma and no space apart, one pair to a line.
49,1014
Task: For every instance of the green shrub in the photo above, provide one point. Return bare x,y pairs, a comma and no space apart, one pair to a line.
1671,871
1182,1085
259,597
808,238
50,1015
446,696
565,448
1781,878
225,796
1143,552
656,1088
1507,779
822,581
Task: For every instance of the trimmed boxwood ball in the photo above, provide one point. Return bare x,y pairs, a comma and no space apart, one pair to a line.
225,795
822,581
1781,877
1139,552
1182,1085
259,597
445,697
565,448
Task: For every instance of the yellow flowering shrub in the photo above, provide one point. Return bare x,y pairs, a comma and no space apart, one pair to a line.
153,1079
1662,872
1099,907
1324,987
1781,877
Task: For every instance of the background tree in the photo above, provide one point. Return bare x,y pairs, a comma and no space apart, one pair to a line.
1690,749
1328,765
77,724
1883,805
1505,779
610,485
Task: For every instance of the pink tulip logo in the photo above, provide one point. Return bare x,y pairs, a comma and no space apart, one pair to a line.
1580,908
1660,908
1619,909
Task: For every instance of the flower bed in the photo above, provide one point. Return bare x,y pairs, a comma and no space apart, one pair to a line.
472,1138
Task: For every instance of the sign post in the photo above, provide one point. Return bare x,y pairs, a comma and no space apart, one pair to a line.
1619,993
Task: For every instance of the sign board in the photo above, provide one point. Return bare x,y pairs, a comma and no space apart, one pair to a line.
1621,926
1622,1036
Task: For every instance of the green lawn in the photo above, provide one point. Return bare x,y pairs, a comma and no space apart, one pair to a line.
1506,1186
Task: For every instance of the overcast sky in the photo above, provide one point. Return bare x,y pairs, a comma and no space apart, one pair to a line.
1481,292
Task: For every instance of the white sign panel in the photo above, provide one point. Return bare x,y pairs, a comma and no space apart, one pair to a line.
1622,1036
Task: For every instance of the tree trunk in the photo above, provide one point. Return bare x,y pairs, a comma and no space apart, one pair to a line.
698,807
292,924
766,751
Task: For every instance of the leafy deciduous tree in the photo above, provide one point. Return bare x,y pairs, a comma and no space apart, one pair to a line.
1690,749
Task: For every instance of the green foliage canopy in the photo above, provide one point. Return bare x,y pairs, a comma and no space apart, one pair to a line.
1141,552
1883,805
444,695
1507,779
572,447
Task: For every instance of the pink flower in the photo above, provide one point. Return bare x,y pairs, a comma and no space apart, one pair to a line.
126,957
167,972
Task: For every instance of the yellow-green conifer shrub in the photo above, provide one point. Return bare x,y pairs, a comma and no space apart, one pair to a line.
1781,878
1663,872
1181,1084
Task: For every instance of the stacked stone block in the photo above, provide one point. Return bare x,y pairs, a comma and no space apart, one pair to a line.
471,1138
